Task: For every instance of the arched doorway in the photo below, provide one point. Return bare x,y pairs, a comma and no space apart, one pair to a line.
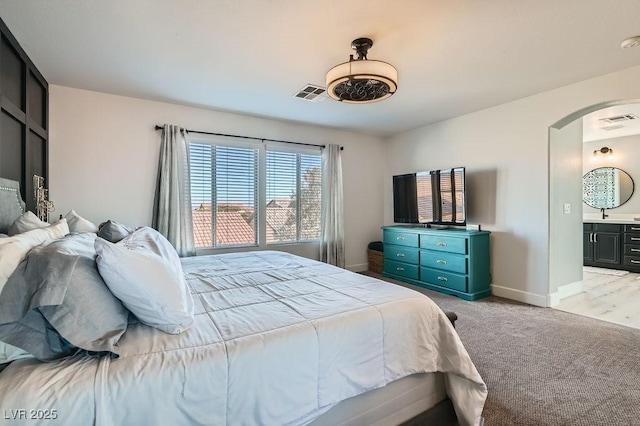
566,167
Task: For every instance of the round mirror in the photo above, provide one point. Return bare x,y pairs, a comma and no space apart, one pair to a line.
606,187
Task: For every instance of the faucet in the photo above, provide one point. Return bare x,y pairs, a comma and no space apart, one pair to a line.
604,216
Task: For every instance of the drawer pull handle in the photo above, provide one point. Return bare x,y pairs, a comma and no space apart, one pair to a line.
634,261
399,268
635,249
441,244
400,254
442,262
635,239
443,278
400,238
633,228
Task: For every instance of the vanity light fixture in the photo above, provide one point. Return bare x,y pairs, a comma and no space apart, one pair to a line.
604,150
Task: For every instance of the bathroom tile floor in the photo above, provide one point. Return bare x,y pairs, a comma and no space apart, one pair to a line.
607,297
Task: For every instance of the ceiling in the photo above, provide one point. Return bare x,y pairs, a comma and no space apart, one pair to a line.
611,122
250,56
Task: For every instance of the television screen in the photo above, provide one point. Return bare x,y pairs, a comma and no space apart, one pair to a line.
431,197
405,206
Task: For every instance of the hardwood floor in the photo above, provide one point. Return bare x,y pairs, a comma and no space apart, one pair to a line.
607,297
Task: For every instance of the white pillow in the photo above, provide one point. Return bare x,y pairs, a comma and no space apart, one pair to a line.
79,224
144,272
26,222
13,250
10,353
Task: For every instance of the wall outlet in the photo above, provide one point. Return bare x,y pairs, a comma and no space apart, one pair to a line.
567,208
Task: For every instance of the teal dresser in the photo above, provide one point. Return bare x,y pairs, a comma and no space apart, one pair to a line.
451,261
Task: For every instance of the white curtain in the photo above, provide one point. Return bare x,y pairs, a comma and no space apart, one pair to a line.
172,203
332,235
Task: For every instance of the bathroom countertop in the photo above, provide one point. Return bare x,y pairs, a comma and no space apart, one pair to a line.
610,220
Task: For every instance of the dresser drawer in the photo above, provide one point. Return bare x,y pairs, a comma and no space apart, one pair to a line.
444,243
607,227
632,261
632,228
401,253
632,249
632,238
444,279
402,269
400,238
444,260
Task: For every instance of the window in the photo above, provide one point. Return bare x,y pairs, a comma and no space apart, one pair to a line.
224,186
251,195
294,197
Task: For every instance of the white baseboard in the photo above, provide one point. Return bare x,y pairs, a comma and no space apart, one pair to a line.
565,291
553,299
570,289
520,296
360,267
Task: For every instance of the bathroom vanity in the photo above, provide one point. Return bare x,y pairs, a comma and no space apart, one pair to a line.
608,242
612,245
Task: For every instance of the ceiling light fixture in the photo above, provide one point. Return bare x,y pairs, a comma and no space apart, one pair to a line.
630,42
361,80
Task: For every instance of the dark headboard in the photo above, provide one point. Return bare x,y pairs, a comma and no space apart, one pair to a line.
24,117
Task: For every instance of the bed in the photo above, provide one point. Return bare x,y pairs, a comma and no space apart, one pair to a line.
276,339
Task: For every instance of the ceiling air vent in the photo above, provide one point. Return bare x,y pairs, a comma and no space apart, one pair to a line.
619,118
312,93
613,127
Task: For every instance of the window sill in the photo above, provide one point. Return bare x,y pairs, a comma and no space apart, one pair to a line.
309,249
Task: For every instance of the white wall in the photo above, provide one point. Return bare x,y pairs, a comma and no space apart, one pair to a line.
506,152
104,153
565,187
626,156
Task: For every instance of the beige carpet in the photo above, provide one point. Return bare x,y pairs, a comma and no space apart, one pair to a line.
548,367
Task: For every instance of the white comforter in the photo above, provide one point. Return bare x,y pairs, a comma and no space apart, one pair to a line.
277,340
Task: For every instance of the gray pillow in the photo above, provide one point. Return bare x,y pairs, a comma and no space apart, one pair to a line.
78,223
56,303
113,231
26,222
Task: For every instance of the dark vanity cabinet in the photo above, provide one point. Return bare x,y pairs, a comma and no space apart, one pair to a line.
612,245
631,248
602,244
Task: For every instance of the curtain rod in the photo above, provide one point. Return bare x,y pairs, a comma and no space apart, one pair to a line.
249,137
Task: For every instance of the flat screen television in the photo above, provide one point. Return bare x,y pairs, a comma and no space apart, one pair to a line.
435,197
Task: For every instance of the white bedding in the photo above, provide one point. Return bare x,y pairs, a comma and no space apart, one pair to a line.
276,340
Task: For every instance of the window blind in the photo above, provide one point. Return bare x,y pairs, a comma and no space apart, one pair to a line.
224,190
294,196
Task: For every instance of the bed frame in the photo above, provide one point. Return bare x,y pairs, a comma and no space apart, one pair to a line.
415,400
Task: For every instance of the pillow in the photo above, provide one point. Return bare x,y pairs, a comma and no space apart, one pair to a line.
144,272
4,236
26,222
56,303
13,250
79,224
10,353
113,231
